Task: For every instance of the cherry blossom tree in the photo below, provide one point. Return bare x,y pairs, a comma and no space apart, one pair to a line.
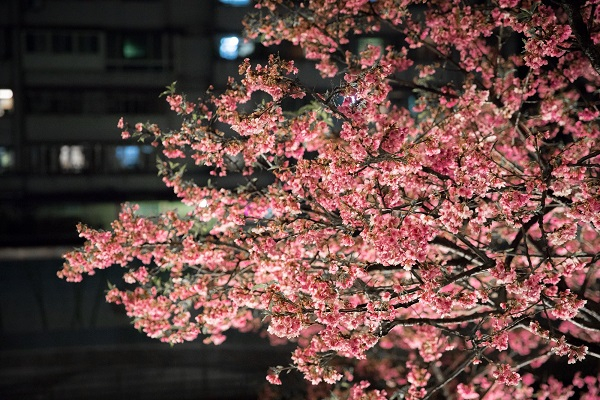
444,249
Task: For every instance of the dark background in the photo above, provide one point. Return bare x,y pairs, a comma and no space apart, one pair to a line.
68,71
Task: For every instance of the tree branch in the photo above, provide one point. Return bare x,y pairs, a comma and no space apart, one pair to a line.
453,375
581,32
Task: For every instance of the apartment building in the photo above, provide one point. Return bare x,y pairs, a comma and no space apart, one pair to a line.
69,69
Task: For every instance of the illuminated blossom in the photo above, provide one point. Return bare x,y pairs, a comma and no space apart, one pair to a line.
426,225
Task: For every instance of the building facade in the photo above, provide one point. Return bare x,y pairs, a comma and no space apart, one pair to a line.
68,71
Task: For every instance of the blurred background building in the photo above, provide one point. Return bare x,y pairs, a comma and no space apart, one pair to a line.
69,69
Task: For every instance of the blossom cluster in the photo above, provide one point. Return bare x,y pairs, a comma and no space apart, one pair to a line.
443,248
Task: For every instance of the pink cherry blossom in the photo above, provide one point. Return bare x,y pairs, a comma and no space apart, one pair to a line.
442,249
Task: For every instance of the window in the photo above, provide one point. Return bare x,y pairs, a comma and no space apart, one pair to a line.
7,159
88,43
36,42
236,3
232,47
5,49
82,100
128,157
54,101
228,49
6,101
62,42
71,158
132,157
137,50
139,101
136,46
53,158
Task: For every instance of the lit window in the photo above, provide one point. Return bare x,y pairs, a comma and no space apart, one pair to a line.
7,159
71,158
134,47
6,101
229,47
147,149
232,47
136,50
6,94
236,3
128,157
245,48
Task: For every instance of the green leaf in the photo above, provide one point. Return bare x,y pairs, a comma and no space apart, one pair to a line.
170,89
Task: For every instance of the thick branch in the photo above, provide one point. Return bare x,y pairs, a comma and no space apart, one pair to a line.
593,348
